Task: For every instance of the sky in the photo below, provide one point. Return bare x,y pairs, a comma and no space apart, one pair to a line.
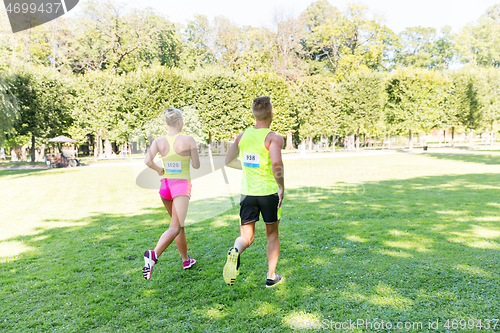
398,14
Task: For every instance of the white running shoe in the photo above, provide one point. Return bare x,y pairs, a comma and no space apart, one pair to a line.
149,261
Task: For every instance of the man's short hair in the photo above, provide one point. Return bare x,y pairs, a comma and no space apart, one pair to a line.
262,108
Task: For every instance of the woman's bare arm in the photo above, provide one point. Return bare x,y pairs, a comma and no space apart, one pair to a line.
150,156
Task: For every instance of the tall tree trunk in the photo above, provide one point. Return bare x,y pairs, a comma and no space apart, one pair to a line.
310,139
411,141
101,149
471,135
210,151
289,143
96,147
357,140
452,136
42,152
333,142
33,157
107,148
491,135
13,155
89,144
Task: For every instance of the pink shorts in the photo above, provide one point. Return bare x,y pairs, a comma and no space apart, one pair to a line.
170,188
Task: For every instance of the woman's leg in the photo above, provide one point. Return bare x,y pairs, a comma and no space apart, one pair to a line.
174,228
181,203
181,243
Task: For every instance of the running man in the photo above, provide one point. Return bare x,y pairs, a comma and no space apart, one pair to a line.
262,189
177,152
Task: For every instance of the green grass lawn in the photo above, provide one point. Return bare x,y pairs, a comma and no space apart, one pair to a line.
396,238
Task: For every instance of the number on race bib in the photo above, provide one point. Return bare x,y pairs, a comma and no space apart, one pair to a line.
173,166
251,160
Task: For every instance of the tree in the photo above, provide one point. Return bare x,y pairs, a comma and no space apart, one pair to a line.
109,36
227,46
221,99
318,14
490,98
347,41
415,101
257,50
423,47
465,103
270,84
164,47
198,51
315,104
288,50
359,100
148,92
479,43
45,101
8,105
99,108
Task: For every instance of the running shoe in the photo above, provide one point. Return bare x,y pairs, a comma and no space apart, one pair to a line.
231,268
188,263
149,261
277,280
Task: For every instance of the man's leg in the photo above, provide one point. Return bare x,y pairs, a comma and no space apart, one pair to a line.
273,247
247,234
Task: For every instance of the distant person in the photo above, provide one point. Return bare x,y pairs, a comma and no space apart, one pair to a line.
177,152
262,189
2,154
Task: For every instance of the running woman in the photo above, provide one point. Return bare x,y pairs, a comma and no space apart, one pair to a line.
262,189
177,152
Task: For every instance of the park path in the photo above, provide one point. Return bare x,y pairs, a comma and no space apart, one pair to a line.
286,156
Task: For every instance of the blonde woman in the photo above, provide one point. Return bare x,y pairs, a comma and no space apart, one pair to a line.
177,152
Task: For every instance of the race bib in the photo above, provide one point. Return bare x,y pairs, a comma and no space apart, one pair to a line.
251,160
173,167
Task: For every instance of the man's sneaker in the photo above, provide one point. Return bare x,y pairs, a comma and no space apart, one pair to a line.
188,263
277,280
231,268
149,261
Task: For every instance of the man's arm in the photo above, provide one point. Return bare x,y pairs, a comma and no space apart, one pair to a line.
232,154
275,147
152,152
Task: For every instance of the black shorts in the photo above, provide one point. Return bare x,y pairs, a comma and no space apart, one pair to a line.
252,205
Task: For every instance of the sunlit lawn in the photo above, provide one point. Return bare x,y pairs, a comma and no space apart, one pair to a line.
397,238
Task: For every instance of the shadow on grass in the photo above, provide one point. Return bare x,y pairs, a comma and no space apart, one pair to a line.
420,249
471,158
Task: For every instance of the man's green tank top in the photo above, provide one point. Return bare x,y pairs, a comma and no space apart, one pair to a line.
258,176
175,165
